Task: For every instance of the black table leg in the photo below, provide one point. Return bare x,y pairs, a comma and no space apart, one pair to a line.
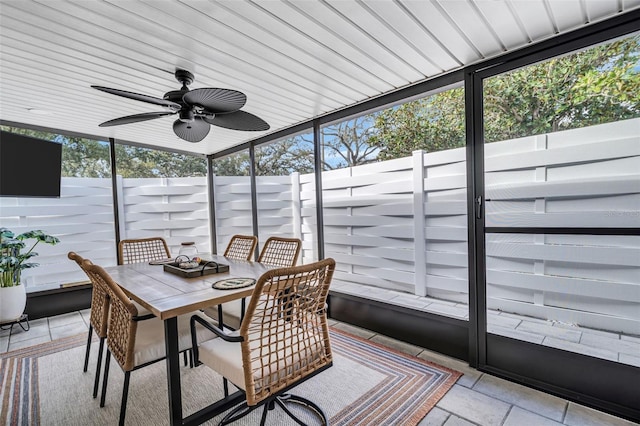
173,370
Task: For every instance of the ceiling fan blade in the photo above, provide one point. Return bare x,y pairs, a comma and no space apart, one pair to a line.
215,100
193,131
139,97
239,120
135,118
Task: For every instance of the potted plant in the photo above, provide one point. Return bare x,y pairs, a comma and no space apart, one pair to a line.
13,297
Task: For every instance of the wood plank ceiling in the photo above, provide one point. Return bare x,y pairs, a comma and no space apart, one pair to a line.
294,60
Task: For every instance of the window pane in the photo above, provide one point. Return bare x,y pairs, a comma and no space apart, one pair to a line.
564,141
163,194
232,189
395,205
580,293
285,182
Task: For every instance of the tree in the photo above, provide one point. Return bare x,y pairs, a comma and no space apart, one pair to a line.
595,86
347,144
434,123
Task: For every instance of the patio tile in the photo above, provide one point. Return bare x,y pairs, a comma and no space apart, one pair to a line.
65,319
474,406
579,415
502,320
86,316
523,318
581,349
549,330
28,342
457,421
516,334
519,417
409,301
624,346
68,330
448,310
629,359
435,417
470,375
532,400
361,332
587,330
37,328
4,343
403,347
626,337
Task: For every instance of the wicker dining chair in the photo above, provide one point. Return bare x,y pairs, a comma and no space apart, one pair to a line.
142,250
280,251
277,251
135,340
98,318
283,340
241,247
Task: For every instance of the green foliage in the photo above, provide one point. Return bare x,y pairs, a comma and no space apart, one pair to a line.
13,255
595,86
434,123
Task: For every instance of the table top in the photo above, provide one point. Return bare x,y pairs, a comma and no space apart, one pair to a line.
168,295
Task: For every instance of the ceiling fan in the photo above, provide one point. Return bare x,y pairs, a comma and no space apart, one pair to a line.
197,109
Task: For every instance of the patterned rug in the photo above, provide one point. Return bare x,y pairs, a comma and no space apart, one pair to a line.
369,384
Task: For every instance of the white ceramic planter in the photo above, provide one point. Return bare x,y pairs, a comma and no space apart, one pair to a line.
12,303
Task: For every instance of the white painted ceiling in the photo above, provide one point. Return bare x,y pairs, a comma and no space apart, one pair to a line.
294,59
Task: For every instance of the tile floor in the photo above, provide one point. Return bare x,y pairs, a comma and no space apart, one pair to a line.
476,399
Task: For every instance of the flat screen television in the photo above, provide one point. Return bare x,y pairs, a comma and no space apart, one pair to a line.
29,167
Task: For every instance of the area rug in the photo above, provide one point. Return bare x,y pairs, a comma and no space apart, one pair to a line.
369,384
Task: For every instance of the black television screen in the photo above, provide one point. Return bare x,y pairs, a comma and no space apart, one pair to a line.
29,167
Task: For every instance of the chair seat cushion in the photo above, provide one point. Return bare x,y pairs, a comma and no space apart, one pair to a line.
230,312
150,344
226,357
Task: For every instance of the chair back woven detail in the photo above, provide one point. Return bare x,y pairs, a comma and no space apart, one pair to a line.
142,250
241,247
279,251
121,334
285,331
99,317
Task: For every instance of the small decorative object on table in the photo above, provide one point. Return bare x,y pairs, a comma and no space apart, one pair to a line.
232,283
194,267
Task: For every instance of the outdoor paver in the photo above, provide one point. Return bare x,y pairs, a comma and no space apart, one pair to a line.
519,417
361,332
630,338
581,349
4,343
448,310
586,330
624,346
457,421
474,406
524,318
502,320
65,319
435,417
403,347
549,330
579,415
408,301
470,375
37,328
28,342
68,330
529,399
516,334
629,359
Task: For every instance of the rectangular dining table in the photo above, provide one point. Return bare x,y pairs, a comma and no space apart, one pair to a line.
168,295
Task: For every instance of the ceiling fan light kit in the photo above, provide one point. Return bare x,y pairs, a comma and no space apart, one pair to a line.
197,109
